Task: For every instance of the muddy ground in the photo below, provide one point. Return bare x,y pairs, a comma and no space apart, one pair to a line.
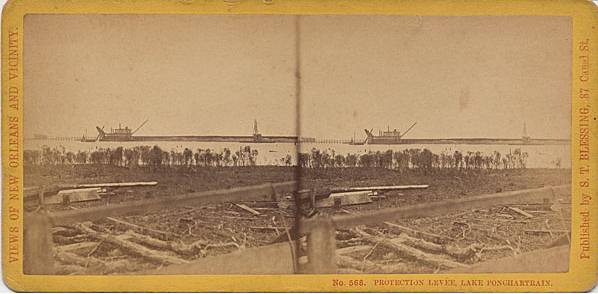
223,228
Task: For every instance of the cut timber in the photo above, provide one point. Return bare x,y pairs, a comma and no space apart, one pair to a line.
142,230
149,254
110,185
419,234
378,188
431,259
517,210
345,198
248,209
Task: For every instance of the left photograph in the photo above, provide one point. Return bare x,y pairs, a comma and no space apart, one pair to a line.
159,144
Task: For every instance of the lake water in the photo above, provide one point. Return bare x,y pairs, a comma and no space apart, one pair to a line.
540,156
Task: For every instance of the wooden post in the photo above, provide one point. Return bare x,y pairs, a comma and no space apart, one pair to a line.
321,247
41,196
37,245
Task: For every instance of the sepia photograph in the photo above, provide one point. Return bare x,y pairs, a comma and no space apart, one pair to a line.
296,144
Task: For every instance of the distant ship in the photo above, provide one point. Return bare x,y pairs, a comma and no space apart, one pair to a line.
393,137
125,134
386,137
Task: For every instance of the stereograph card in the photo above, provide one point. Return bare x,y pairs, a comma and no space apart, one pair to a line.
301,146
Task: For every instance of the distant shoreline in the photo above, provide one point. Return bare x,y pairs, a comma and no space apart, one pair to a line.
294,139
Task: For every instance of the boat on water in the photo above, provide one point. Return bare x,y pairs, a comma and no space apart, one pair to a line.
126,134
395,137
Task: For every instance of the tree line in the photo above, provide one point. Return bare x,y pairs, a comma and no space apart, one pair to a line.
415,158
142,156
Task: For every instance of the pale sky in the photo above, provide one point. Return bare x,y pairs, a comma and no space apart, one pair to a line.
193,74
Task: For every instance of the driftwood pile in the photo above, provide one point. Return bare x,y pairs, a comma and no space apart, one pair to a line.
451,241
358,246
119,245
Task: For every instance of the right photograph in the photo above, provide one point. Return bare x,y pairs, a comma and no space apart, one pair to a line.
434,144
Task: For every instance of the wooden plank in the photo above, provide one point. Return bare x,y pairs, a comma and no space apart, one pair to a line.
248,209
439,207
378,188
519,211
264,192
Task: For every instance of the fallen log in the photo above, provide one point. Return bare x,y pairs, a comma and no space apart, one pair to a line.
353,249
419,234
222,245
248,209
458,253
350,242
76,246
64,231
521,212
72,258
148,254
59,239
361,265
142,230
350,262
431,259
82,264
177,247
